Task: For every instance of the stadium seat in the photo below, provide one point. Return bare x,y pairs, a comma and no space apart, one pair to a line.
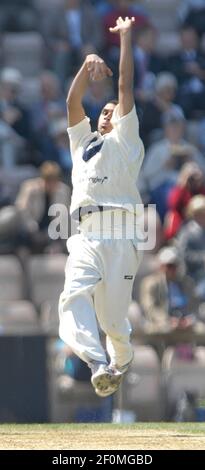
23,51
49,318
181,376
141,387
18,317
11,278
46,277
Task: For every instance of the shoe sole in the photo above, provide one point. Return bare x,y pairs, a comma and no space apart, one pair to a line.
106,384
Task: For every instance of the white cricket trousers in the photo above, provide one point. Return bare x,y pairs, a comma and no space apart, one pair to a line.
98,286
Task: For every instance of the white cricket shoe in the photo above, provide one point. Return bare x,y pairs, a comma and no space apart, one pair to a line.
124,369
121,369
105,380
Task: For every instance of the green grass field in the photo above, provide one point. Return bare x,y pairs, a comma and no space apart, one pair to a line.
142,436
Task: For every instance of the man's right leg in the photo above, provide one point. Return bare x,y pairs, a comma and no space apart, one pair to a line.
78,324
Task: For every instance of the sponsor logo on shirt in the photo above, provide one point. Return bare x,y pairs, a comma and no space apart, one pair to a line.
96,179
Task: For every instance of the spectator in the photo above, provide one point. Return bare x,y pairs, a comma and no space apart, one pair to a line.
154,108
189,68
192,13
61,147
74,373
33,202
68,35
11,109
147,62
165,158
69,364
12,146
51,104
190,183
121,8
167,297
192,243
49,108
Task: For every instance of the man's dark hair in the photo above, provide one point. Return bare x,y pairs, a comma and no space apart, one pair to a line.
114,102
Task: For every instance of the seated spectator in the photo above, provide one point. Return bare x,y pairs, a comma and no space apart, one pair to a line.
147,62
50,107
167,297
189,68
73,375
153,109
13,112
192,13
191,242
12,146
29,219
165,158
33,202
68,36
69,364
51,103
190,183
61,150
121,8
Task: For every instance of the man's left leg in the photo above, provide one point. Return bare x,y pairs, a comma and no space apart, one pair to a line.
112,299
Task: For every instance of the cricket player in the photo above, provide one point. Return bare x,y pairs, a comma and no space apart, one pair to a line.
101,269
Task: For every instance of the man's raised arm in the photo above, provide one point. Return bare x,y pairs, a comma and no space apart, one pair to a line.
126,67
93,68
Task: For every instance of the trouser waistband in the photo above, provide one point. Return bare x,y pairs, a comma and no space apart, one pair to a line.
109,224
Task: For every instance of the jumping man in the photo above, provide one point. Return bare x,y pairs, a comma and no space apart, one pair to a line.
100,269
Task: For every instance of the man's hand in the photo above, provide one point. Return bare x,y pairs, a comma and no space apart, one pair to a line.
123,26
97,68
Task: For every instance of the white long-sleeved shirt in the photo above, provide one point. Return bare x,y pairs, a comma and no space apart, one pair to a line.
109,177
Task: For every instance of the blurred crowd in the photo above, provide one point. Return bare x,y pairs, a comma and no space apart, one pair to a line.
43,43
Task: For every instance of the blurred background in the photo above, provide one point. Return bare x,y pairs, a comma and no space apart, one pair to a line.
43,43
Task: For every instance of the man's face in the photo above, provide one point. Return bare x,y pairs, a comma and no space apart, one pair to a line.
104,121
